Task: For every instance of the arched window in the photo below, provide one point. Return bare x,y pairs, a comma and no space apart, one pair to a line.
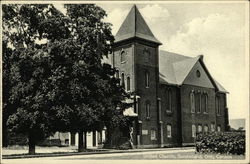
146,54
169,131
146,79
123,80
217,103
169,100
117,74
123,56
193,130
147,108
128,83
205,109
198,102
192,102
212,127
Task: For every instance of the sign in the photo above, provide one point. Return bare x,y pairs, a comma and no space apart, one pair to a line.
144,132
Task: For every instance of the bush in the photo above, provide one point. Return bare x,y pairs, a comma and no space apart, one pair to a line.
221,142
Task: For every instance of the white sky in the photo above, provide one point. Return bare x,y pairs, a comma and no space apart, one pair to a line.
216,30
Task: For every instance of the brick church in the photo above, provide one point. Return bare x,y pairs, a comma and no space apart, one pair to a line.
176,96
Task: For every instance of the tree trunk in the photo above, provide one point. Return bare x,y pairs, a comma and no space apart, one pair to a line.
80,141
85,140
72,138
31,145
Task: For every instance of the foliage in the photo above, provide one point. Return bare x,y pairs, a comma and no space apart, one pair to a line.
221,142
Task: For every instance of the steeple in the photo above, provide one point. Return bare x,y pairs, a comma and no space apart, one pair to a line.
134,26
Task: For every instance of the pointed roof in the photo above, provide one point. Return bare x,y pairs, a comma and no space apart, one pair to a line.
135,26
174,69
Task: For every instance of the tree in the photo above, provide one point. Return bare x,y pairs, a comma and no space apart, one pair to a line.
27,94
61,84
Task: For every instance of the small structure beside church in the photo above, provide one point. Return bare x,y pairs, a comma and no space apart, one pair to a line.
175,95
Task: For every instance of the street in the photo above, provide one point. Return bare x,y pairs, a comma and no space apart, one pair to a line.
145,156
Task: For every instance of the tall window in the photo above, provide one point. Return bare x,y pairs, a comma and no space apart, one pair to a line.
123,80
147,79
205,128
205,108
153,134
169,100
169,131
159,108
147,106
199,128
217,103
123,56
193,130
117,73
128,83
192,102
197,102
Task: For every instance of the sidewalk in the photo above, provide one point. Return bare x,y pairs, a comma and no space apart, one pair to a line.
72,151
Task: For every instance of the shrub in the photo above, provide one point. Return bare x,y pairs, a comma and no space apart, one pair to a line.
221,142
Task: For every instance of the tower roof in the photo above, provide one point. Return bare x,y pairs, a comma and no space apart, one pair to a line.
135,26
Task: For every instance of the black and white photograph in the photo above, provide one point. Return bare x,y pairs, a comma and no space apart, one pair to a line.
128,81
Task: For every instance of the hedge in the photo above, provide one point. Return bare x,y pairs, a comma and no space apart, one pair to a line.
221,142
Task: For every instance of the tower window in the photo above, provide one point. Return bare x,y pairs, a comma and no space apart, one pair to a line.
169,100
199,128
205,128
117,73
123,56
146,79
128,83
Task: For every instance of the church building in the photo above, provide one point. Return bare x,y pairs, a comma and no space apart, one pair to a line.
176,96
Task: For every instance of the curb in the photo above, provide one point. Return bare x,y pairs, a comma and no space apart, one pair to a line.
89,153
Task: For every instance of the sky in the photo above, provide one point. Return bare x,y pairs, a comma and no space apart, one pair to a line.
218,31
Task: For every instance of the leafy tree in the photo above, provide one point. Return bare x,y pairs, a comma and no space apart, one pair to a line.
61,84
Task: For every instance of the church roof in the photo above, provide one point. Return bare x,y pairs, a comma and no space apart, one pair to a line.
134,26
174,68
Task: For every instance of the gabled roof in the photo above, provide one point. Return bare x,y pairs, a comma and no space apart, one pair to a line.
135,26
174,69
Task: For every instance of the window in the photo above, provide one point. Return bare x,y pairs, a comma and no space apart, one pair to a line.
169,100
169,131
123,80
128,83
146,55
123,56
159,108
199,128
217,103
192,102
204,102
193,130
198,74
205,128
153,135
117,73
137,106
212,127
218,128
198,102
147,106
146,79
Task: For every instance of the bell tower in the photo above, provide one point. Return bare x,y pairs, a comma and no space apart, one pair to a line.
136,59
